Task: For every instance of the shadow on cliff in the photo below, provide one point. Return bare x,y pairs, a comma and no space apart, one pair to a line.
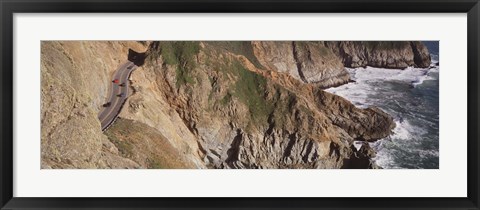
358,159
234,151
136,57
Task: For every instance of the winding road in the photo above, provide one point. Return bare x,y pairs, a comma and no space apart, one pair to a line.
118,94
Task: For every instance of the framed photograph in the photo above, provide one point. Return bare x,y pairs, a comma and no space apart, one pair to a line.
239,105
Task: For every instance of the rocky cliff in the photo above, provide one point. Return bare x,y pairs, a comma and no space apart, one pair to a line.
74,80
74,84
236,111
211,105
310,62
383,54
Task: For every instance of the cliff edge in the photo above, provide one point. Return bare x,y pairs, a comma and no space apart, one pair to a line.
255,104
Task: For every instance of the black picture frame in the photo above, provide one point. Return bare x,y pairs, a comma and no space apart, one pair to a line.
10,7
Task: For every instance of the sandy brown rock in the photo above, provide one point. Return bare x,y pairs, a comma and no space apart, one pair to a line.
317,64
310,62
278,56
212,105
242,115
421,56
74,80
383,54
361,124
146,146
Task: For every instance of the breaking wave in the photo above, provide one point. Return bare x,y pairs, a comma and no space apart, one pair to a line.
410,96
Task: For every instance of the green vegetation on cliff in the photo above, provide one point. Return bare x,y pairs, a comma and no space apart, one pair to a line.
145,145
284,103
250,89
240,48
182,55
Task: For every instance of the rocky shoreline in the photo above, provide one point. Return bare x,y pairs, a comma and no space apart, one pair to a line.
394,54
255,104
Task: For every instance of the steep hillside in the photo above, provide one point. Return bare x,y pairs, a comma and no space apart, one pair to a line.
242,114
310,62
75,77
213,104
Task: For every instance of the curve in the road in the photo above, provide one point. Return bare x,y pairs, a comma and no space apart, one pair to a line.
118,94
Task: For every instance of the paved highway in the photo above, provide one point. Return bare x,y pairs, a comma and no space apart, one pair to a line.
117,96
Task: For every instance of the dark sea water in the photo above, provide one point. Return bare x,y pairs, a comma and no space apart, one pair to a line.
410,96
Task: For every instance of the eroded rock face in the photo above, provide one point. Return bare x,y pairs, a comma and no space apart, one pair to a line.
237,114
396,54
215,105
277,56
310,62
74,84
421,56
368,124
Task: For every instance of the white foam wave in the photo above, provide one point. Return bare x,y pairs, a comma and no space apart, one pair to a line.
433,69
402,133
428,153
383,158
360,94
410,74
357,93
405,131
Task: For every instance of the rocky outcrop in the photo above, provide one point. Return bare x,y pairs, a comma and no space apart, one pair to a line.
310,62
206,105
383,54
421,56
277,56
368,124
146,146
74,83
322,63
246,115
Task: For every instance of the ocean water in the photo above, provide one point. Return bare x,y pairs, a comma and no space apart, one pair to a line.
410,96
